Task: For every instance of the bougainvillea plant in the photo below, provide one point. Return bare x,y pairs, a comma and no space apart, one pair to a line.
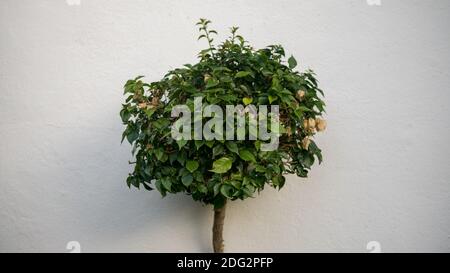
217,170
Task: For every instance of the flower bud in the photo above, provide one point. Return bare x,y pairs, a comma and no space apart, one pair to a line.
142,105
206,77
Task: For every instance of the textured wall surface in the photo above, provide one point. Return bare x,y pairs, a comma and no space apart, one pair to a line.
385,71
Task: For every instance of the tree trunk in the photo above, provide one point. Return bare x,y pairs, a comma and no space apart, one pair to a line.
219,217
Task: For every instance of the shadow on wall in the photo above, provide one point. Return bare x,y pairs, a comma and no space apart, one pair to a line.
109,217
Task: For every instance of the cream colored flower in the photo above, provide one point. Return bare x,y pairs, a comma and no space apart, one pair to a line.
206,77
305,124
321,125
142,105
300,94
311,123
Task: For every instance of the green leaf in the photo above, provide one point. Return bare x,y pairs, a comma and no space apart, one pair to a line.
236,184
173,157
247,155
159,153
247,100
125,115
303,109
202,188
225,190
167,184
164,157
181,143
161,123
278,181
150,112
242,74
199,144
308,161
217,150
216,188
292,62
236,176
222,165
315,150
187,180
131,181
258,145
198,176
249,190
260,169
160,187
181,158
211,83
272,98
132,136
232,146
192,165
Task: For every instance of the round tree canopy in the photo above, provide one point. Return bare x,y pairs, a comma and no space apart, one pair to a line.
233,91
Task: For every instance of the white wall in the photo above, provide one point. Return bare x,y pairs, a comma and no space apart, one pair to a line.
385,71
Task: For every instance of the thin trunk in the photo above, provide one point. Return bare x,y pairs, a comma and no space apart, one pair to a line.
219,217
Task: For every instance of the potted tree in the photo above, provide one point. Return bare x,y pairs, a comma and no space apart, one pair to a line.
214,169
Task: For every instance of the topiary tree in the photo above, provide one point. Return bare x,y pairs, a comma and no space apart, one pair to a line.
217,170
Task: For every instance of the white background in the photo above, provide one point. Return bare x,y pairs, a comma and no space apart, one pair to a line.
385,71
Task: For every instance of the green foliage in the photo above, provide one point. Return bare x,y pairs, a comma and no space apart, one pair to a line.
215,170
